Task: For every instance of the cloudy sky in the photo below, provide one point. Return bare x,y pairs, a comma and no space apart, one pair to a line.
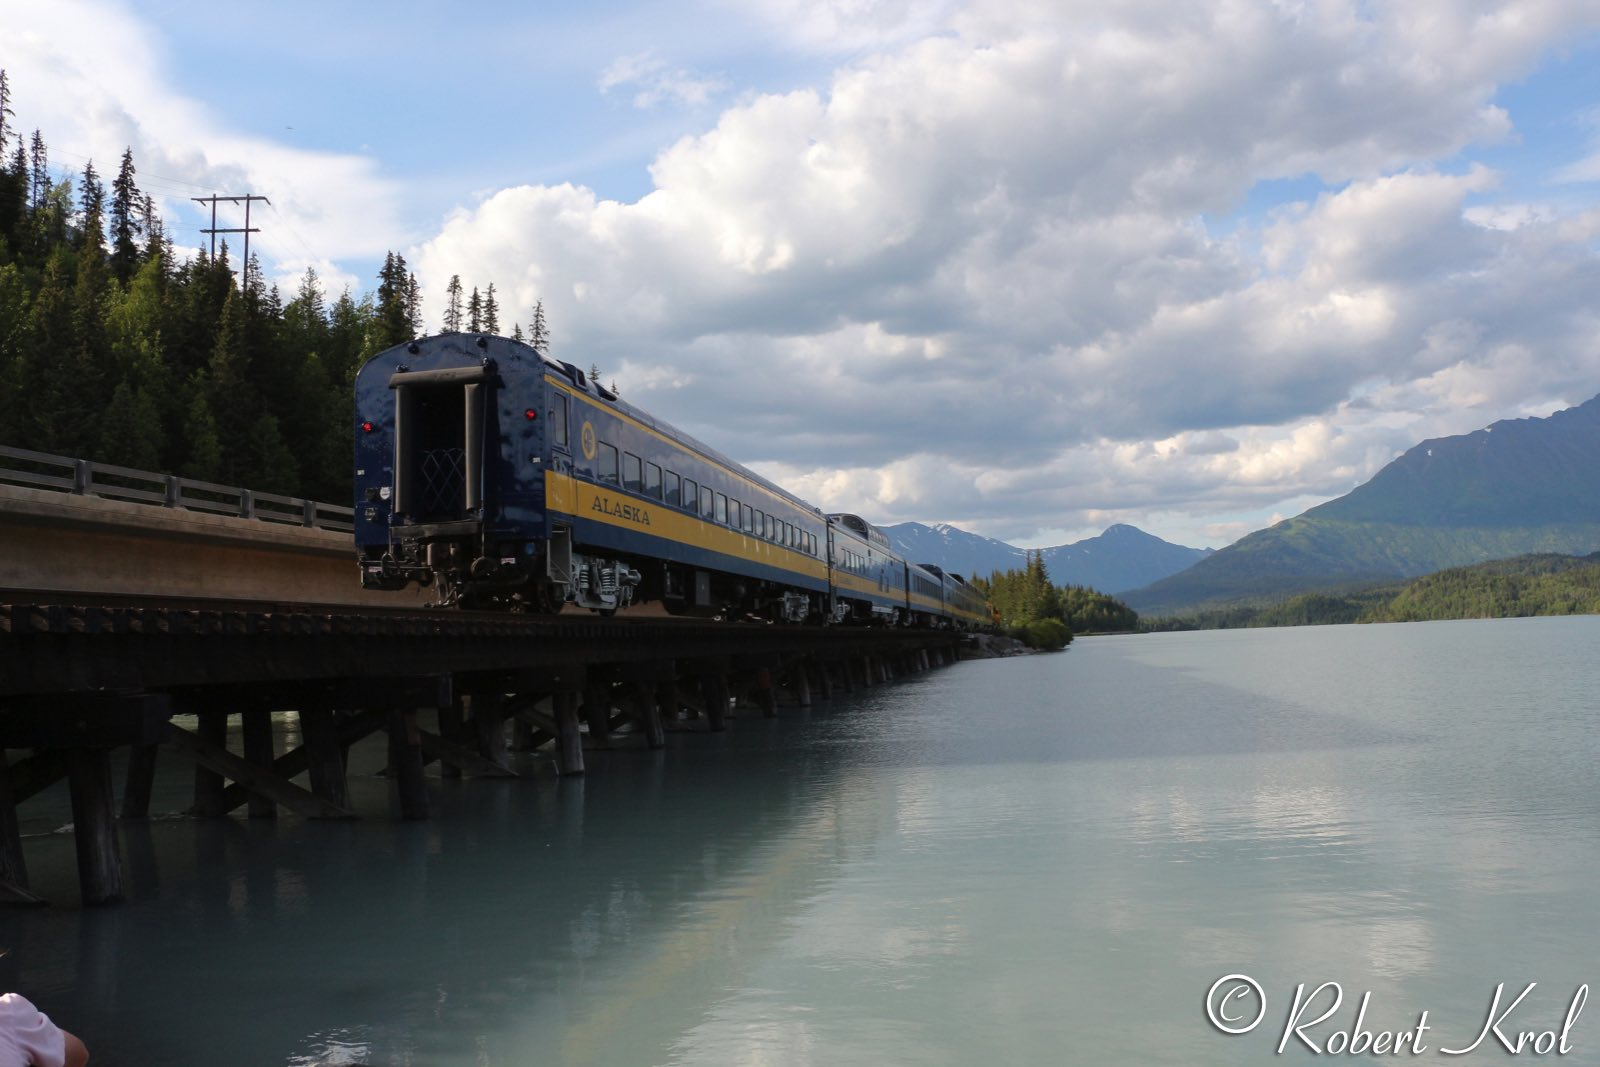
1026,266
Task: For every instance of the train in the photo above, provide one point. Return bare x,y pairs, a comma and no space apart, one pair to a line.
508,480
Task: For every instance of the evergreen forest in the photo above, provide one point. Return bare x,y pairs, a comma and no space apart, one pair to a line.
1538,584
1045,615
116,348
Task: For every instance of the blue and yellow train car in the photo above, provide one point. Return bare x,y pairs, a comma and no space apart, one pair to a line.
514,481
869,577
961,605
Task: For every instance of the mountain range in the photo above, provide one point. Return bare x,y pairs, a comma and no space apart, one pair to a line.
1123,557
1518,486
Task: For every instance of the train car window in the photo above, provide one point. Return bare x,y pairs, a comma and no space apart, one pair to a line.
705,501
605,463
558,419
733,513
673,484
760,520
813,543
632,476
722,509
652,480
749,518
691,494
766,531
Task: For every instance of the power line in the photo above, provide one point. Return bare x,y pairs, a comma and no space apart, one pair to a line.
293,232
143,174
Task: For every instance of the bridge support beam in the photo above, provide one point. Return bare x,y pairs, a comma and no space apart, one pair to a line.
801,677
597,708
94,825
324,755
257,726
569,736
13,865
405,764
140,781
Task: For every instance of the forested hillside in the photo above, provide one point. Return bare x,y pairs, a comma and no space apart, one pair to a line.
1537,584
115,347
1516,487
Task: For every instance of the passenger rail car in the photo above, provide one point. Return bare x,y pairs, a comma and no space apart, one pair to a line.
510,480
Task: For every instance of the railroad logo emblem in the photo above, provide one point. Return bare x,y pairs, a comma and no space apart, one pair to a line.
587,437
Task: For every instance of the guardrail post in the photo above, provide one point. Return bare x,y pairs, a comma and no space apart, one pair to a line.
247,504
308,511
82,477
174,492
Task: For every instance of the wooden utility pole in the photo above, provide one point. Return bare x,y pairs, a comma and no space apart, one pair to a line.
246,229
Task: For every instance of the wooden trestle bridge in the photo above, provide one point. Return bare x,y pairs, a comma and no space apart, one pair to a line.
87,670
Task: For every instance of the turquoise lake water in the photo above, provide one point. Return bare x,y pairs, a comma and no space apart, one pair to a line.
1048,859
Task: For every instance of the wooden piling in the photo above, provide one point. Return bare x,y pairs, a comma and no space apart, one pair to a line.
13,867
597,709
324,755
140,781
453,729
522,739
94,825
489,725
257,726
405,764
667,697
766,694
569,739
212,729
647,713
715,687
801,676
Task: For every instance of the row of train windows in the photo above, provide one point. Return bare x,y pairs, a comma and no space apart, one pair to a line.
648,479
855,562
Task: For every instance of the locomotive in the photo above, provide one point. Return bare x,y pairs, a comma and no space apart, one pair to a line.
509,480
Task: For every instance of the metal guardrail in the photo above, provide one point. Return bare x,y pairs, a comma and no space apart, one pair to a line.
39,470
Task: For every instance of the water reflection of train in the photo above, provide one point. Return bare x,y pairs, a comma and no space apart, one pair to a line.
513,481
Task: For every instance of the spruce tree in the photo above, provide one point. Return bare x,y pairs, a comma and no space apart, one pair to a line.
265,462
130,433
39,172
87,363
538,333
230,399
475,312
394,293
452,305
91,206
53,420
14,199
126,205
11,180
16,304
491,312
414,304
5,110
203,452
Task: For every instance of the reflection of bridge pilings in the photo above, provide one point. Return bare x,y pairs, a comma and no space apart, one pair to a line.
559,905
468,693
